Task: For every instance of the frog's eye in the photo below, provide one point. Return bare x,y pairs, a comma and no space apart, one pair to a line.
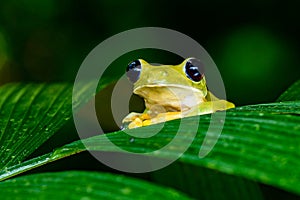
133,71
194,69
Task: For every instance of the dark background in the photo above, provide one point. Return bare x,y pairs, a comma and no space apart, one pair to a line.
254,44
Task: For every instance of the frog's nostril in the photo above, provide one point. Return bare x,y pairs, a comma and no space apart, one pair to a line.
164,73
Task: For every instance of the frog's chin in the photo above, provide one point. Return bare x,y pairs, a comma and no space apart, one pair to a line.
171,98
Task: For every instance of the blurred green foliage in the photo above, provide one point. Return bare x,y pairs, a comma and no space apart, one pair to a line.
3,50
254,44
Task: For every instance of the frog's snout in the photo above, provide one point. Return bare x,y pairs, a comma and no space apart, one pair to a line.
152,77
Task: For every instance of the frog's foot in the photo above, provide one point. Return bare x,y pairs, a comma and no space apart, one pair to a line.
131,117
134,120
146,120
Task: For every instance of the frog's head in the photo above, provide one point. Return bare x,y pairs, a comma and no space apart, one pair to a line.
174,87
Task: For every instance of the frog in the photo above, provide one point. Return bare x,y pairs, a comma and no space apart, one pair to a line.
171,92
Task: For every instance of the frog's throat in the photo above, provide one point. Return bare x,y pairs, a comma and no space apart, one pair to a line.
171,97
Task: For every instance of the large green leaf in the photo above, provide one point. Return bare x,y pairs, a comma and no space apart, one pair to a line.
258,142
83,185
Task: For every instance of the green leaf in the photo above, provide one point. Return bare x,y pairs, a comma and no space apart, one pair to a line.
292,93
203,183
83,185
29,115
258,142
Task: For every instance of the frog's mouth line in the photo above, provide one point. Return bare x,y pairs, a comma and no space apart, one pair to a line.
159,85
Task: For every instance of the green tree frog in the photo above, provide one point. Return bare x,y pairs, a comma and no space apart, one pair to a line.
171,92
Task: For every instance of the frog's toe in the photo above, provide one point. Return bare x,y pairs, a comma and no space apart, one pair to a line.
131,117
136,123
147,122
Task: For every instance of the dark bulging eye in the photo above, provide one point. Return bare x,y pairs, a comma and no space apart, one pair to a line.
194,69
133,71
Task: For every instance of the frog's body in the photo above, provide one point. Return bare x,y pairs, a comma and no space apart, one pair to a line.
171,92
